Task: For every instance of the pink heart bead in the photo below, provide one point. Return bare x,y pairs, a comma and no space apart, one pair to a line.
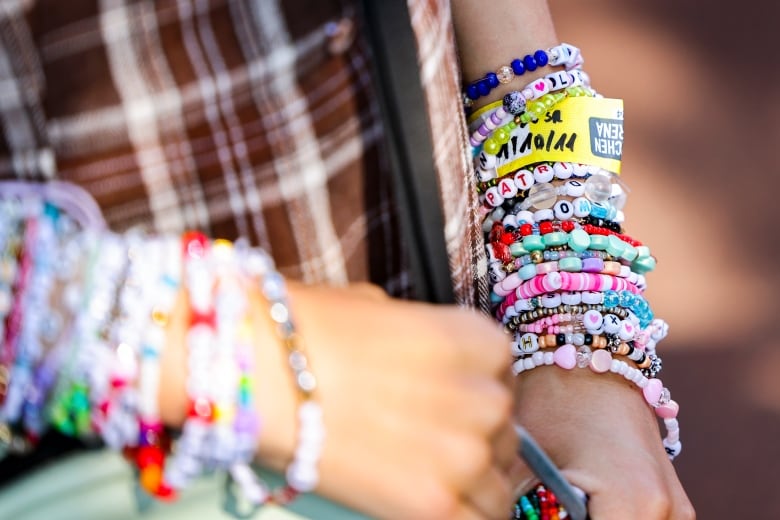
600,361
566,357
668,410
652,391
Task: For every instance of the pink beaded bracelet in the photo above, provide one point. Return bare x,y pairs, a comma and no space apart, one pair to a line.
601,361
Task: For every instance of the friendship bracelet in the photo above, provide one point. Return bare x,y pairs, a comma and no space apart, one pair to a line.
600,361
563,281
563,54
570,300
529,343
496,126
302,473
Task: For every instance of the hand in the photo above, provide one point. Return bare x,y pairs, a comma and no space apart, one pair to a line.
600,431
416,402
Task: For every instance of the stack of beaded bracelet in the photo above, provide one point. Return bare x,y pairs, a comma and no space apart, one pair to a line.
83,317
567,282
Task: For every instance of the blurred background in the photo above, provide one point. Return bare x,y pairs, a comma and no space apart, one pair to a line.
702,103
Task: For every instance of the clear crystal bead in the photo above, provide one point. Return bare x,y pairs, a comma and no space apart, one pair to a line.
583,356
598,188
666,396
505,74
542,195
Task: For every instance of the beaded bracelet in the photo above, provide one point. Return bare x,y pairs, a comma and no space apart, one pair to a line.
563,54
302,474
600,361
495,129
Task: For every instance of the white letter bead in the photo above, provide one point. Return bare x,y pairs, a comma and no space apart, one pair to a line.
575,188
563,210
544,214
563,170
525,217
592,320
528,343
611,323
580,170
543,173
486,161
551,300
507,188
571,298
582,207
592,297
493,197
511,221
524,179
485,175
627,330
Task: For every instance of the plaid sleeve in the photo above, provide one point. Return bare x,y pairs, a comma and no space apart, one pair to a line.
235,117
432,24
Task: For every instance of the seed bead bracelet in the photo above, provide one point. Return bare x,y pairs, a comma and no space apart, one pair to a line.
601,361
624,300
563,54
538,504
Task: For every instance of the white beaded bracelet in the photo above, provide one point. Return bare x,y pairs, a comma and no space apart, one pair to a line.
600,361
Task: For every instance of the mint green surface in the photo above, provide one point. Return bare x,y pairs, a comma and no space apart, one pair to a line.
615,246
527,272
517,249
598,242
570,263
556,238
533,243
99,486
579,240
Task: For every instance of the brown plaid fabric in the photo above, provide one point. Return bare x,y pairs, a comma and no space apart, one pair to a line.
236,117
440,76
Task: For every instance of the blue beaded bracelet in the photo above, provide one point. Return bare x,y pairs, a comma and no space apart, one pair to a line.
563,54
507,73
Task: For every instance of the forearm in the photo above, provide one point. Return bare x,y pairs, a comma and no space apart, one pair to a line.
492,34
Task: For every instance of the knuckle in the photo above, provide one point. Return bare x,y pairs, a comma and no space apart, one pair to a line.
686,511
441,503
657,503
500,404
477,458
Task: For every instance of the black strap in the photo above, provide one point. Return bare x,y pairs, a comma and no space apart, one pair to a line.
407,128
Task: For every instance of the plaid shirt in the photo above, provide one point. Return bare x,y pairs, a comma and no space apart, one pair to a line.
236,117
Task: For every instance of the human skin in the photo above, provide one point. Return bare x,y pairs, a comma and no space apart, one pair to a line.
597,427
416,401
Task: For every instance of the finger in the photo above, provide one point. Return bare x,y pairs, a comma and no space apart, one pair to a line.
492,494
505,445
466,512
481,342
682,508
